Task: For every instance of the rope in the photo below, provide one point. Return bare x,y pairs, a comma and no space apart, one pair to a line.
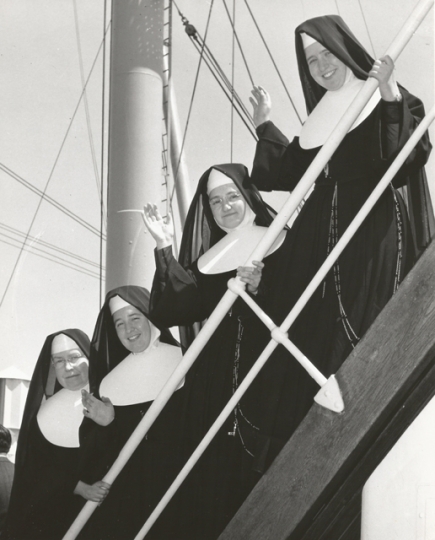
85,100
195,83
238,41
215,65
233,24
273,61
50,200
47,244
51,257
103,101
367,28
49,178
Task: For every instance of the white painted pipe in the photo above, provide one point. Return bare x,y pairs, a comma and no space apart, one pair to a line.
229,297
277,334
229,407
371,201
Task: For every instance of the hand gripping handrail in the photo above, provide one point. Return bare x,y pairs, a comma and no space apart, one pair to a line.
327,387
313,171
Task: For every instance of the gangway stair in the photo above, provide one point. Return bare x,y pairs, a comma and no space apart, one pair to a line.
312,491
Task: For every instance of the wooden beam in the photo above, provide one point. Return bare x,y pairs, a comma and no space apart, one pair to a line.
312,490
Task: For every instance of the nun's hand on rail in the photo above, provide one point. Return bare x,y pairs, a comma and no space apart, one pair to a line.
101,411
382,71
251,276
262,105
96,492
162,230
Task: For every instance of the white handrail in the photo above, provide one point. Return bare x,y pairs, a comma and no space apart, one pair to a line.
313,171
327,265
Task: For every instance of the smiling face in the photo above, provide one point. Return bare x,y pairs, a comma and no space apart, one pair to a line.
133,328
325,68
71,368
228,205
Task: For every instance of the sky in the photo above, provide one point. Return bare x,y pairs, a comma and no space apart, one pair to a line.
52,140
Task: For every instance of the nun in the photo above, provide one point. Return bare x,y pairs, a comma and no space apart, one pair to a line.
333,66
226,220
48,490
134,357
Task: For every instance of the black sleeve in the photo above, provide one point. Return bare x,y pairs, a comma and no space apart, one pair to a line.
96,456
278,165
175,296
398,122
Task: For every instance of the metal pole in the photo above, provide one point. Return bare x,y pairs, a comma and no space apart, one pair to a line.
183,185
230,297
232,403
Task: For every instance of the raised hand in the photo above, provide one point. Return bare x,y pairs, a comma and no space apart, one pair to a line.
101,411
383,71
262,105
251,276
162,230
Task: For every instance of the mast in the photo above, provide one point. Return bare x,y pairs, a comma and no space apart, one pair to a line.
180,185
135,138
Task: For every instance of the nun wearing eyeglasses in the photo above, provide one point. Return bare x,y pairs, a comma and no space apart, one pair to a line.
134,357
333,66
226,220
48,492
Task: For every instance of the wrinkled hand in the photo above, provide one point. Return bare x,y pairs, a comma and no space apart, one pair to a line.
262,105
101,411
162,230
96,492
382,71
251,276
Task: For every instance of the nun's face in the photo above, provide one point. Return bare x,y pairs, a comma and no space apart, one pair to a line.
325,68
133,328
228,205
72,368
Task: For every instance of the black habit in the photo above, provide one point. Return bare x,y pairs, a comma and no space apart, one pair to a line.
387,244
256,430
43,505
156,461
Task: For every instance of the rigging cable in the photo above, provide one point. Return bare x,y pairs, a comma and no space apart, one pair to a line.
194,86
210,61
34,239
367,28
217,71
233,24
103,101
52,258
238,42
85,100
50,177
212,64
273,61
49,199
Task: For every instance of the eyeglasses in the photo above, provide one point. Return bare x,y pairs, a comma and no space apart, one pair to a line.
73,359
229,198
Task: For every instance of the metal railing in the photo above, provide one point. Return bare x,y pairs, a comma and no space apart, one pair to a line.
329,394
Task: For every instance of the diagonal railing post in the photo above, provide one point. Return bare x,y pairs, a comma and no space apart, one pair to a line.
313,171
244,385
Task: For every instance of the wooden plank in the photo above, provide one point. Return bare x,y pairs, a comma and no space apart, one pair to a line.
311,490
